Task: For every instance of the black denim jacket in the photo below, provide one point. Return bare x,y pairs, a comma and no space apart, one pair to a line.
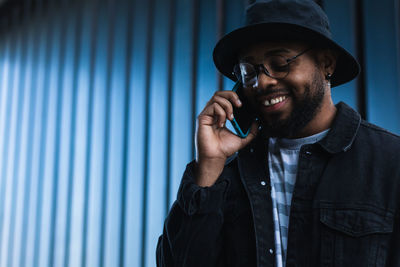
344,212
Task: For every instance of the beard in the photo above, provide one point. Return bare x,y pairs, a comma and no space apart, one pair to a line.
304,110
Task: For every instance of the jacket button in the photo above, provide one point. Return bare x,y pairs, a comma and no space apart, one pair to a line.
251,150
263,183
308,152
271,251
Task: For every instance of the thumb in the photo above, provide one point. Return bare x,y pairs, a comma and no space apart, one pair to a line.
252,134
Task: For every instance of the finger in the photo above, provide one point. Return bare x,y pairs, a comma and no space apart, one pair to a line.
225,104
219,115
252,134
212,115
231,96
255,128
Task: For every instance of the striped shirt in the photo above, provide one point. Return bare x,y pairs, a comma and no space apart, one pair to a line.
283,155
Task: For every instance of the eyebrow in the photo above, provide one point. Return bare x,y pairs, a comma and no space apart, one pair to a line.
271,52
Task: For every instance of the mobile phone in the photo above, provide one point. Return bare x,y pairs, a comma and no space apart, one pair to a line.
244,115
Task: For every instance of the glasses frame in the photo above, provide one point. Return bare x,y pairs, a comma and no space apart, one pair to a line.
260,67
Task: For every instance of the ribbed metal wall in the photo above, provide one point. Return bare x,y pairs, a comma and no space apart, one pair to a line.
98,101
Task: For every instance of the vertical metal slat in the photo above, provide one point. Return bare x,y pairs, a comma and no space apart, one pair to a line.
170,62
93,50
194,66
146,151
126,133
110,49
220,33
77,55
360,41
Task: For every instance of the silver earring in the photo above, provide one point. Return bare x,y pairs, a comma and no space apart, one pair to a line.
328,76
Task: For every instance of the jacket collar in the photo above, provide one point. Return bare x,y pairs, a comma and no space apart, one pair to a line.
343,130
340,137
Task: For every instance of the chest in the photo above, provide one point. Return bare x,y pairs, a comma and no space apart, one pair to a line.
340,214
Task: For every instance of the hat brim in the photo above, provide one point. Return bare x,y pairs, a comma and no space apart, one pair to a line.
226,51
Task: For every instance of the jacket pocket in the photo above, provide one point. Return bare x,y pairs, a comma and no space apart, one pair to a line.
355,236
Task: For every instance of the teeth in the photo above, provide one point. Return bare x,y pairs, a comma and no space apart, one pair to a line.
274,101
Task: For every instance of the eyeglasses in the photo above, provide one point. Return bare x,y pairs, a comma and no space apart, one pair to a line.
275,66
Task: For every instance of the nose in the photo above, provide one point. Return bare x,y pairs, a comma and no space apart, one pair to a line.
264,81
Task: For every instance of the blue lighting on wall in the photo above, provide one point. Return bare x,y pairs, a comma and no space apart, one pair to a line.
97,107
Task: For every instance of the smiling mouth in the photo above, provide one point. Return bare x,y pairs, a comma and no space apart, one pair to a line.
274,101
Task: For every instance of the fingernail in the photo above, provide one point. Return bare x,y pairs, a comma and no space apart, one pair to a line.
239,102
231,116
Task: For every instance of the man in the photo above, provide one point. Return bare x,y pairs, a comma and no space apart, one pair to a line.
312,184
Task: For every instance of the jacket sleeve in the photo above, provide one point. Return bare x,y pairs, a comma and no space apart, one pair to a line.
192,229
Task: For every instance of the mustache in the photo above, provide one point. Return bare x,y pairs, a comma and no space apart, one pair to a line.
268,92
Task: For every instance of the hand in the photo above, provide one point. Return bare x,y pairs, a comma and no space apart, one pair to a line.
214,142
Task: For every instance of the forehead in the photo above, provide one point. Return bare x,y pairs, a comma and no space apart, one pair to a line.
260,50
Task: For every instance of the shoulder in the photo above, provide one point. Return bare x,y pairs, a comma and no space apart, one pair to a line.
377,137
367,126
377,148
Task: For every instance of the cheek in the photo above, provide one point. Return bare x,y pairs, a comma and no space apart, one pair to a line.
298,84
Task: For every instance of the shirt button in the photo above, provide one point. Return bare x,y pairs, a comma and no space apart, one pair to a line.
271,251
263,183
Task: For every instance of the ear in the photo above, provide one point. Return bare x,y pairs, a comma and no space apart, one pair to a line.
327,59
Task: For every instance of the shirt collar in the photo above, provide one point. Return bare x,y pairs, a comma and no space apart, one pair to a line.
295,144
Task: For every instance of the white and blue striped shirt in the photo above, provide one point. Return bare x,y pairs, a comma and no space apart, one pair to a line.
283,156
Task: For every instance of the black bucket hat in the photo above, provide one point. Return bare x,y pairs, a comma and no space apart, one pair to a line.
290,20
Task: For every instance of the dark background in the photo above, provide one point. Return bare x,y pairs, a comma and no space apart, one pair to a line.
98,101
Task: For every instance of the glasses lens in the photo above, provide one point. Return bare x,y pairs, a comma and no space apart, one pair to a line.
277,66
245,73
